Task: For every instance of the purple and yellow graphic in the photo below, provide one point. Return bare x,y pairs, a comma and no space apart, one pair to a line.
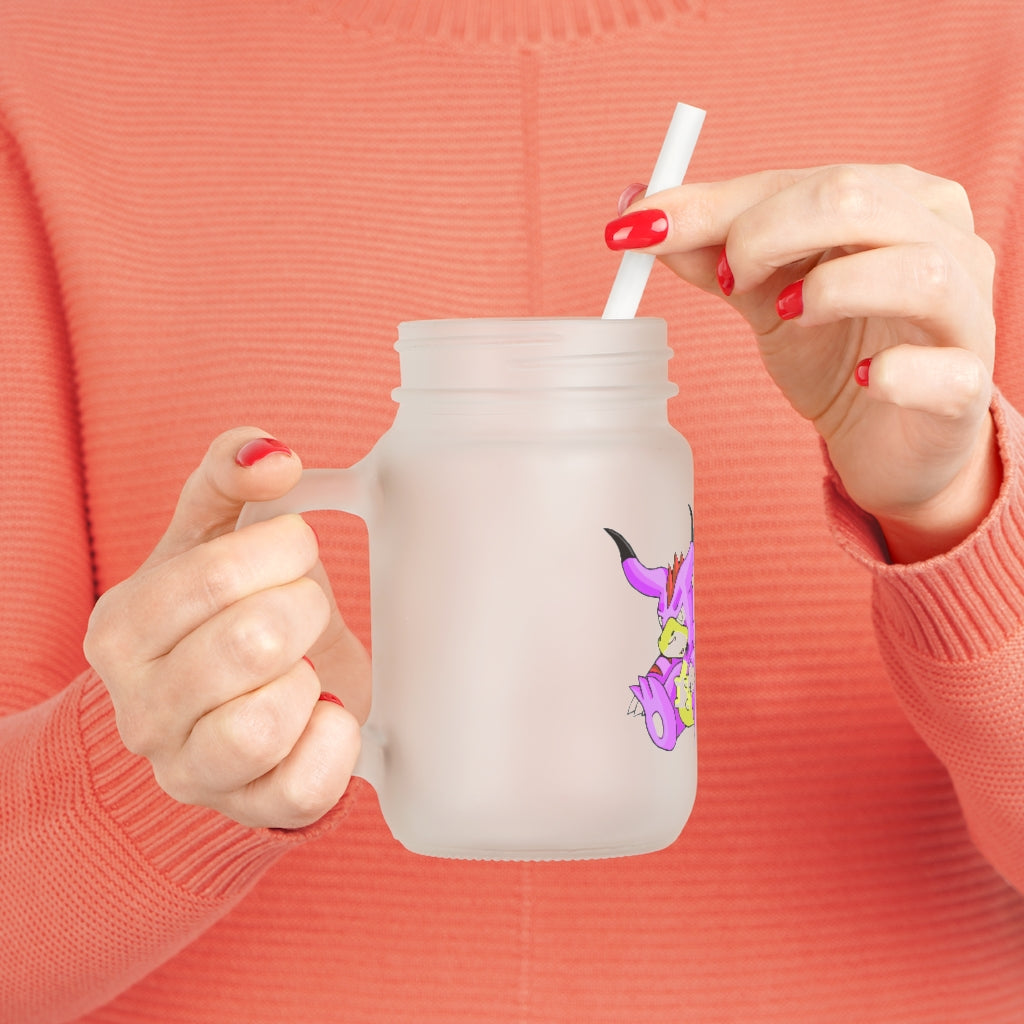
664,696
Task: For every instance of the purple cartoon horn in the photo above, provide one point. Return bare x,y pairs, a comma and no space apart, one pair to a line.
649,582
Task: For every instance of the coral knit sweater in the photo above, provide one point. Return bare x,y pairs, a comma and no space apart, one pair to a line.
215,213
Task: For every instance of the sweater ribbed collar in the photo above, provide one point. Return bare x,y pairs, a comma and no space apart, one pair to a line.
523,22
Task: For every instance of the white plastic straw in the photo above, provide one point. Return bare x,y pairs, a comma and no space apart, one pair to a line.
674,158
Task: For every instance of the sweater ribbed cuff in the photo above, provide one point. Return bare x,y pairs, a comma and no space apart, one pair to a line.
196,849
961,604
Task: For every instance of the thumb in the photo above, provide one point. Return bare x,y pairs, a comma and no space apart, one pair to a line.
241,465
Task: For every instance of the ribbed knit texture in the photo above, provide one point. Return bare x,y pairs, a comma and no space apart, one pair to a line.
214,214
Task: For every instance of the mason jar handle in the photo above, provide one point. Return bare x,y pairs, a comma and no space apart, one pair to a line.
331,490
338,490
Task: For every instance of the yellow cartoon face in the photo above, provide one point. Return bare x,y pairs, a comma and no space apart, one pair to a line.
684,694
674,639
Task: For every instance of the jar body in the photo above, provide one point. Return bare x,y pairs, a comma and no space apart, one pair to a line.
514,635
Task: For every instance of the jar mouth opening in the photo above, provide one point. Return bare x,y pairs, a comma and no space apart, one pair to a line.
594,331
501,357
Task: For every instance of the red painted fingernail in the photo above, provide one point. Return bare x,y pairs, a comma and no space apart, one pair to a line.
629,195
309,663
637,230
861,373
252,451
724,274
331,698
790,303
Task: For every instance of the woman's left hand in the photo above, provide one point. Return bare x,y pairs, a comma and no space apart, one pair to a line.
870,297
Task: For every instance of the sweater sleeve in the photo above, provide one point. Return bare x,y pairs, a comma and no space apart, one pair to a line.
951,631
102,876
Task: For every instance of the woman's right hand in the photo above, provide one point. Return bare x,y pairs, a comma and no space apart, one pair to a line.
871,299
203,650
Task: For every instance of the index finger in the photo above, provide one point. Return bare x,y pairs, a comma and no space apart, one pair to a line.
701,214
171,599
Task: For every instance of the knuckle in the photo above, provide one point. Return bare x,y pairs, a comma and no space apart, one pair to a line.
221,581
96,642
254,641
254,733
958,384
903,173
971,382
931,271
950,201
848,194
309,795
264,634
778,180
326,770
953,196
104,642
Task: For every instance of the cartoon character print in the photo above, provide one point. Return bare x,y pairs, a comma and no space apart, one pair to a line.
664,696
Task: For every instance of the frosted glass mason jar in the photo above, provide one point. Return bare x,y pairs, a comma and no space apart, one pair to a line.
530,520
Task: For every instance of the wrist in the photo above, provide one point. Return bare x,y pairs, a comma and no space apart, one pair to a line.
949,518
